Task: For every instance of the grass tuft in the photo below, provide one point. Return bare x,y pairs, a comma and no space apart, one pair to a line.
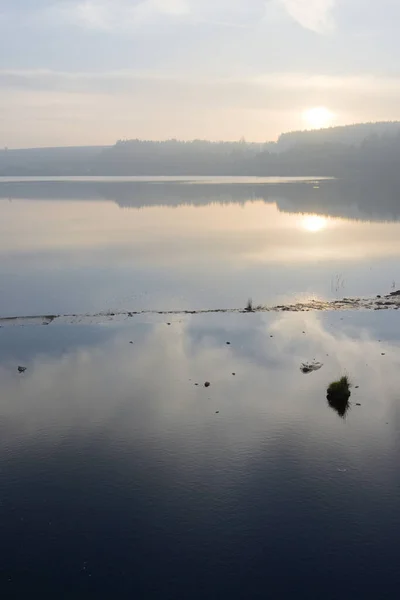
249,305
340,387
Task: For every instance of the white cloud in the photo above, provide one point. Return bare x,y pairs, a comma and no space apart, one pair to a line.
125,14
92,13
65,108
171,7
315,15
114,81
111,14
312,14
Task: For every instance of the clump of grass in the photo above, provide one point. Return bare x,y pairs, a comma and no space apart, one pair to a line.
338,395
249,305
340,387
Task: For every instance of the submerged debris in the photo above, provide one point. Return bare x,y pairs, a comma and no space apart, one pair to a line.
310,367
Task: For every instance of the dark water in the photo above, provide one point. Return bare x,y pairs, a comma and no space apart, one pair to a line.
120,478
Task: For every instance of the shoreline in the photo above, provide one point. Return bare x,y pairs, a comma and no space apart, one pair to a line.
388,302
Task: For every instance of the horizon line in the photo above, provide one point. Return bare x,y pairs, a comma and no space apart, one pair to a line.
242,139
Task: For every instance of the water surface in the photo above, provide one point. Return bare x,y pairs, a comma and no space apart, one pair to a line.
121,478
97,244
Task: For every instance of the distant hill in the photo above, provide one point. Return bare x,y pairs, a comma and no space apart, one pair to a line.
67,160
367,149
350,135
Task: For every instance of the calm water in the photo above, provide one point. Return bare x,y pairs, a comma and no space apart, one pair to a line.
122,478
72,246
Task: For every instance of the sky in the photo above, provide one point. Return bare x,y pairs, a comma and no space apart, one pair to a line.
88,72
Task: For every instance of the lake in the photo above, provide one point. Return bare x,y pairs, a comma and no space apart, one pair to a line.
79,246
122,475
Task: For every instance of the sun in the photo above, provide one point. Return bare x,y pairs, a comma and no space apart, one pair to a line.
314,223
318,117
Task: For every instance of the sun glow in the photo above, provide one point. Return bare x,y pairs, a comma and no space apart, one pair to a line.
318,117
314,223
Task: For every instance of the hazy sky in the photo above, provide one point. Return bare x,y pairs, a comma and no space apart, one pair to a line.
93,71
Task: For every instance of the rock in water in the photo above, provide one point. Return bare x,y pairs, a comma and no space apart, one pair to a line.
310,367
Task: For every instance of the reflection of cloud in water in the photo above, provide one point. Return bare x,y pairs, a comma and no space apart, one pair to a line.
122,451
351,349
145,391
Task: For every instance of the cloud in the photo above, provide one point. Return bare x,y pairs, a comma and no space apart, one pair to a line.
43,108
312,14
127,81
127,14
112,14
168,7
107,15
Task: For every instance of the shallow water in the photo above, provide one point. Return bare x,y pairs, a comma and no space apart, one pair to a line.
85,246
121,478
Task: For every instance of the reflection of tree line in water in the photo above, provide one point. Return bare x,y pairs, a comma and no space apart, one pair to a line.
363,198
